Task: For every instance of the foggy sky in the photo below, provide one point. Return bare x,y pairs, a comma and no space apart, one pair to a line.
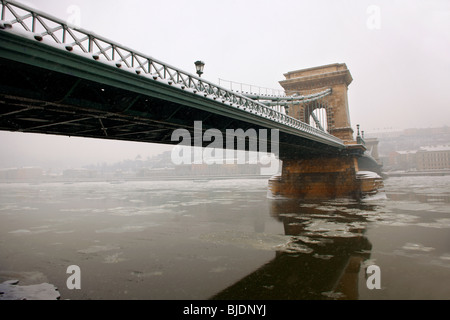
400,65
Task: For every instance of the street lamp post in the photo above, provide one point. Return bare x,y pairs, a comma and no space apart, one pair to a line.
199,65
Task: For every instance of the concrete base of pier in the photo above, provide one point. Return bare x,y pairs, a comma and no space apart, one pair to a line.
323,178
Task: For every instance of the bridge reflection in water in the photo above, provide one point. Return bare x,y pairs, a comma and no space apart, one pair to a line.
323,261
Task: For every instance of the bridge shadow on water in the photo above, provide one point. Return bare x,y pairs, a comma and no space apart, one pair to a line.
322,261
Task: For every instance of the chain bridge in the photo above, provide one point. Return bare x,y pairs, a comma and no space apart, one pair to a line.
63,80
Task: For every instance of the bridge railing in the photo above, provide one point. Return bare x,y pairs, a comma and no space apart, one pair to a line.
249,88
73,39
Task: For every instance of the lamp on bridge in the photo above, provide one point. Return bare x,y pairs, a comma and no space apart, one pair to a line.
199,65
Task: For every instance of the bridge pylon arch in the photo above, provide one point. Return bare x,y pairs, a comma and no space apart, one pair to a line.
312,80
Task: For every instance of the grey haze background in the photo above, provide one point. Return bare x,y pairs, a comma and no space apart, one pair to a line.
401,70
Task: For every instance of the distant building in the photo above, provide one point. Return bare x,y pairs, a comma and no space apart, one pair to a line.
25,173
402,160
425,158
433,158
80,173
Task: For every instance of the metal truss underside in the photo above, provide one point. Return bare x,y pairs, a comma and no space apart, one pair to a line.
34,100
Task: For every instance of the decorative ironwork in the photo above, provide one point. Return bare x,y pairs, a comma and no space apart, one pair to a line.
74,39
359,138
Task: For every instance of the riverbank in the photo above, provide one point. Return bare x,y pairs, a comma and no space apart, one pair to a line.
199,178
416,173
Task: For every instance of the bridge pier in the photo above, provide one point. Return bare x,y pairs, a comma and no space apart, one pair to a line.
317,178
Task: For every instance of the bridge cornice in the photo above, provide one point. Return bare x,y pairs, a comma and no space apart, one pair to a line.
318,80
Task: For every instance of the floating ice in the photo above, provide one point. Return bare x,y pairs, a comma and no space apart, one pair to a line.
326,208
259,241
396,219
95,249
36,230
439,223
9,290
114,258
417,247
309,240
445,256
332,229
122,229
77,210
138,211
293,247
368,262
141,274
375,197
411,206
218,269
308,205
20,231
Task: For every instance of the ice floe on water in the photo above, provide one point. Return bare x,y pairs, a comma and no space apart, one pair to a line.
268,242
417,247
141,274
326,208
438,223
410,206
109,257
136,201
64,231
99,248
140,211
368,262
26,285
394,219
10,290
218,269
328,228
20,231
292,246
114,258
124,229
77,210
259,241
445,256
30,231
380,196
414,250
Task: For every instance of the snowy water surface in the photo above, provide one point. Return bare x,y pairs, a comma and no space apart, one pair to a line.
224,239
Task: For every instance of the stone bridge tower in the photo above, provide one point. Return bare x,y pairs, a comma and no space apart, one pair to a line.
309,176
308,81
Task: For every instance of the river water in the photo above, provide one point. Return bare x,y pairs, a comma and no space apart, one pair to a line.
225,239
